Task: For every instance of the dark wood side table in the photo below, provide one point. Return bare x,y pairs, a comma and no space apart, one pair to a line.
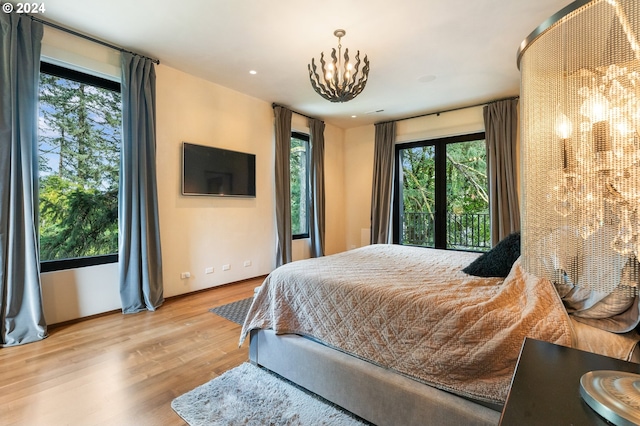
545,389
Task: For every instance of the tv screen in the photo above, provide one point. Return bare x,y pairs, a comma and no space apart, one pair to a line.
219,172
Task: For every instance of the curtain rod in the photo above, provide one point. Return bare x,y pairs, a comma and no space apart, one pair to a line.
450,110
273,105
86,37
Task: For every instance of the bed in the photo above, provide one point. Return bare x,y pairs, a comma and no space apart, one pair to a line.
401,335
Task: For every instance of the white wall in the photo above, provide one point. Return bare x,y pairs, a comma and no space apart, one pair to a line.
334,178
196,232
358,161
77,53
460,122
199,232
335,185
77,293
358,176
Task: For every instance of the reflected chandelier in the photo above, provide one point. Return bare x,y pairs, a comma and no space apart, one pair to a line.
339,80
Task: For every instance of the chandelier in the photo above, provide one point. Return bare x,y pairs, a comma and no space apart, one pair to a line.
581,135
580,161
338,80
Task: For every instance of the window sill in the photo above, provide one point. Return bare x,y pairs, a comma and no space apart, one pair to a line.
78,262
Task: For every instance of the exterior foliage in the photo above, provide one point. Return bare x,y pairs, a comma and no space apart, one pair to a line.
79,159
466,193
299,186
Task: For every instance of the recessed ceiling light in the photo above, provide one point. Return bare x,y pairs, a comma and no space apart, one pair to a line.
253,72
354,116
426,78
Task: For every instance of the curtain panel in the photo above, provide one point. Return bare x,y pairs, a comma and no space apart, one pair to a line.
283,184
21,310
382,183
316,174
140,256
501,132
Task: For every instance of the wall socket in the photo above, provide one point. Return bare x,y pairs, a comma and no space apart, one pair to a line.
247,263
185,275
226,267
208,270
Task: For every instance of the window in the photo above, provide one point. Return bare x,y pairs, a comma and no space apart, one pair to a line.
442,194
79,137
299,166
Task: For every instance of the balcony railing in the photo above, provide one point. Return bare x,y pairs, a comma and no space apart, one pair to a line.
467,231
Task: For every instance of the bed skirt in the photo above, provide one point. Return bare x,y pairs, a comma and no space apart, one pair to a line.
376,394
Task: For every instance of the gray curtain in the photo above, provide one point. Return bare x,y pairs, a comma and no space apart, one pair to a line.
317,222
283,184
501,132
382,183
140,257
21,312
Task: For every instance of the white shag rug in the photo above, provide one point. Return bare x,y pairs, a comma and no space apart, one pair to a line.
248,395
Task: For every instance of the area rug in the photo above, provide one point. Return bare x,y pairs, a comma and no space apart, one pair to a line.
249,395
236,311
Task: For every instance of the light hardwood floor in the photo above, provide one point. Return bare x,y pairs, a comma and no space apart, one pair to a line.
122,369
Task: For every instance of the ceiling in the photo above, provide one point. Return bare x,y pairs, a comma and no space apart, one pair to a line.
426,55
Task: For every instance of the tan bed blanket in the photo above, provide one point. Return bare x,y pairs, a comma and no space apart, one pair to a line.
414,311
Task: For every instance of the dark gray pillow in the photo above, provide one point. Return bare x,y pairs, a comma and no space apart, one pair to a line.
498,261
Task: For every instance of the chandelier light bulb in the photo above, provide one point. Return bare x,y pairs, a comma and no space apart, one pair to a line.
595,108
564,127
623,128
620,123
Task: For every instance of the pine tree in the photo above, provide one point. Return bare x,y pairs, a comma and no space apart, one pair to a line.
79,145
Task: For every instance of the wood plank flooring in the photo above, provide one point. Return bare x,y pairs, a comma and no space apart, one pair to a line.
122,369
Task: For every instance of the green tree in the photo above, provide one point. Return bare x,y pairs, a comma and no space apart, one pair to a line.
79,147
467,198
467,178
298,180
418,167
466,191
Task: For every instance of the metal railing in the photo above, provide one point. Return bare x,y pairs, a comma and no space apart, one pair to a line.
466,231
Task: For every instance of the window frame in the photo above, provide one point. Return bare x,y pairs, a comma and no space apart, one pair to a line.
440,197
305,137
81,77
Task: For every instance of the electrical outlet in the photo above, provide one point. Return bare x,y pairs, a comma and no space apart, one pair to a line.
226,267
208,270
247,263
185,275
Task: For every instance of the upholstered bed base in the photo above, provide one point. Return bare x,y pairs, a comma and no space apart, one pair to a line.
376,394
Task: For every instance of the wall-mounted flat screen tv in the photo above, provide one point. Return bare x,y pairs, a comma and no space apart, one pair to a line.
218,172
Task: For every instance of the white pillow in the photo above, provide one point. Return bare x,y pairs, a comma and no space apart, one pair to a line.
618,301
583,270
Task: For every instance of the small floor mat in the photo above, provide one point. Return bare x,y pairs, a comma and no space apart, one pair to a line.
236,311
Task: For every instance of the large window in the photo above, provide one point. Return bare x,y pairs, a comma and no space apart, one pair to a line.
442,194
299,163
79,137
